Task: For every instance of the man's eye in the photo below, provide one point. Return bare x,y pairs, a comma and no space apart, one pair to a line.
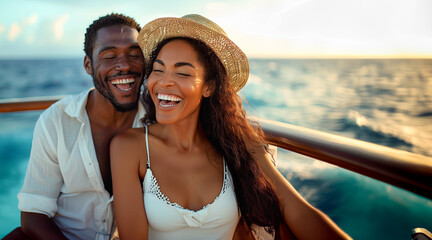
137,55
109,57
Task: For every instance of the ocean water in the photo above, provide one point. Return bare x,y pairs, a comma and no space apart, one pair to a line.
388,102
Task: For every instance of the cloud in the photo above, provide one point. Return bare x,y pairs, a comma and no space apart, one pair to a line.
334,27
31,20
30,39
14,31
58,27
17,28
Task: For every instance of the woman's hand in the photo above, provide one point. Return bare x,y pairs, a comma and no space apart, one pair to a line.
304,220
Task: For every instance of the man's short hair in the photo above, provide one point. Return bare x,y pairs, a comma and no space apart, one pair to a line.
103,22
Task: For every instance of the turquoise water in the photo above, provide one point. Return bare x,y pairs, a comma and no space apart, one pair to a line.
388,102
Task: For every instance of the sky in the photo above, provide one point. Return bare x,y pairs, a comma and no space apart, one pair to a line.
261,28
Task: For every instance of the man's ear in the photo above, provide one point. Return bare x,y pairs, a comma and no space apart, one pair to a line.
87,65
208,89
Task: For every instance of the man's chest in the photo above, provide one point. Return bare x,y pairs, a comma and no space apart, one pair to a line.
101,143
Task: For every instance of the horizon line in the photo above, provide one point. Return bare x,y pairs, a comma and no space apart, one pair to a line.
252,56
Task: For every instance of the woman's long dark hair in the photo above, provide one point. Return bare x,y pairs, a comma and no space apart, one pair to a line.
224,122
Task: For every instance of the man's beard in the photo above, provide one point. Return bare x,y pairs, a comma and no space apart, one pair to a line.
107,93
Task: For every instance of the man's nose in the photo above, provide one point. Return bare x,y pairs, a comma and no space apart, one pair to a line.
122,64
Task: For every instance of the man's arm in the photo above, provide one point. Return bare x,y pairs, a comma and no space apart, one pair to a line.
40,226
42,184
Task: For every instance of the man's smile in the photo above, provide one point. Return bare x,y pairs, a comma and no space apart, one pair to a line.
123,84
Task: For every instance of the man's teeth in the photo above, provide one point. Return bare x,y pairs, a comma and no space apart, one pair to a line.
170,98
123,81
124,84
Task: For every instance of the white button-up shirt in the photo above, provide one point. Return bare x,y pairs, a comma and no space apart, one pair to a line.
63,178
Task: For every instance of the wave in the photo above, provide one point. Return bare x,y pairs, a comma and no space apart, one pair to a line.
390,133
425,114
383,129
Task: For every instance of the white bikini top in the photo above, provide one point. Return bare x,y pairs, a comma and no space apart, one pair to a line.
168,220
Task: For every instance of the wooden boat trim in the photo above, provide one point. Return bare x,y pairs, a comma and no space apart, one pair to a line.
409,171
27,104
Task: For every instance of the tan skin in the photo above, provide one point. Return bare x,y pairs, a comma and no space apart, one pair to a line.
115,50
193,178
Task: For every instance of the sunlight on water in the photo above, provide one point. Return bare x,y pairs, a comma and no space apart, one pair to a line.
388,102
363,207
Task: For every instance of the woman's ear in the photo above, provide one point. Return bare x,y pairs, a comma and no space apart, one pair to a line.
87,65
208,89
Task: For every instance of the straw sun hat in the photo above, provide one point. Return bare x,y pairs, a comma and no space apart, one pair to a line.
200,28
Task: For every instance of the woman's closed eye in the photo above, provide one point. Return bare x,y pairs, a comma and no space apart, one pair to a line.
157,70
184,74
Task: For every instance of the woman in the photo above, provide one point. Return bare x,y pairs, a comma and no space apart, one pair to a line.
199,165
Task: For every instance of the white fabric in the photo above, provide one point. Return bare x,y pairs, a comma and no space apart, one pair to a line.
168,220
63,179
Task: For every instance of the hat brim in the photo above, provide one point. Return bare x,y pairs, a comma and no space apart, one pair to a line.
231,56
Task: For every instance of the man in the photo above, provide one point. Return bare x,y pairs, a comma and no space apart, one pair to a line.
67,191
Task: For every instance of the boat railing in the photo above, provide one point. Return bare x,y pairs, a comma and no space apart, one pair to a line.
27,104
409,171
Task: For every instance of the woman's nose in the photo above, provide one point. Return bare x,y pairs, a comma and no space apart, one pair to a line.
166,80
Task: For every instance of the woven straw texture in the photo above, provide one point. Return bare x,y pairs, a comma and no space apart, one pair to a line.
198,27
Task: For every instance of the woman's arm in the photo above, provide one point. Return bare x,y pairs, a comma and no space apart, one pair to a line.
305,221
128,196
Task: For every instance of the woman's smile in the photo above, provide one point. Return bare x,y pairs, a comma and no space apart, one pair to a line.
168,100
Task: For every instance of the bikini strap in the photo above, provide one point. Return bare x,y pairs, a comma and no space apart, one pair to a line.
147,146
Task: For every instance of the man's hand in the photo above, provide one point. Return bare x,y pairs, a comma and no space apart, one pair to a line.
40,226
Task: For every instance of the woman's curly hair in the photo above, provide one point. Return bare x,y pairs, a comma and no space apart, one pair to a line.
224,122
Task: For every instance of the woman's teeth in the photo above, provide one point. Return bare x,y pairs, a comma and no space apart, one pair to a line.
166,100
168,97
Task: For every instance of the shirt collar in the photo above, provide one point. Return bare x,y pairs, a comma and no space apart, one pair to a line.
76,108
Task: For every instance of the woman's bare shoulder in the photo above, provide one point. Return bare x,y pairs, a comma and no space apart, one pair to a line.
131,134
128,145
129,138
